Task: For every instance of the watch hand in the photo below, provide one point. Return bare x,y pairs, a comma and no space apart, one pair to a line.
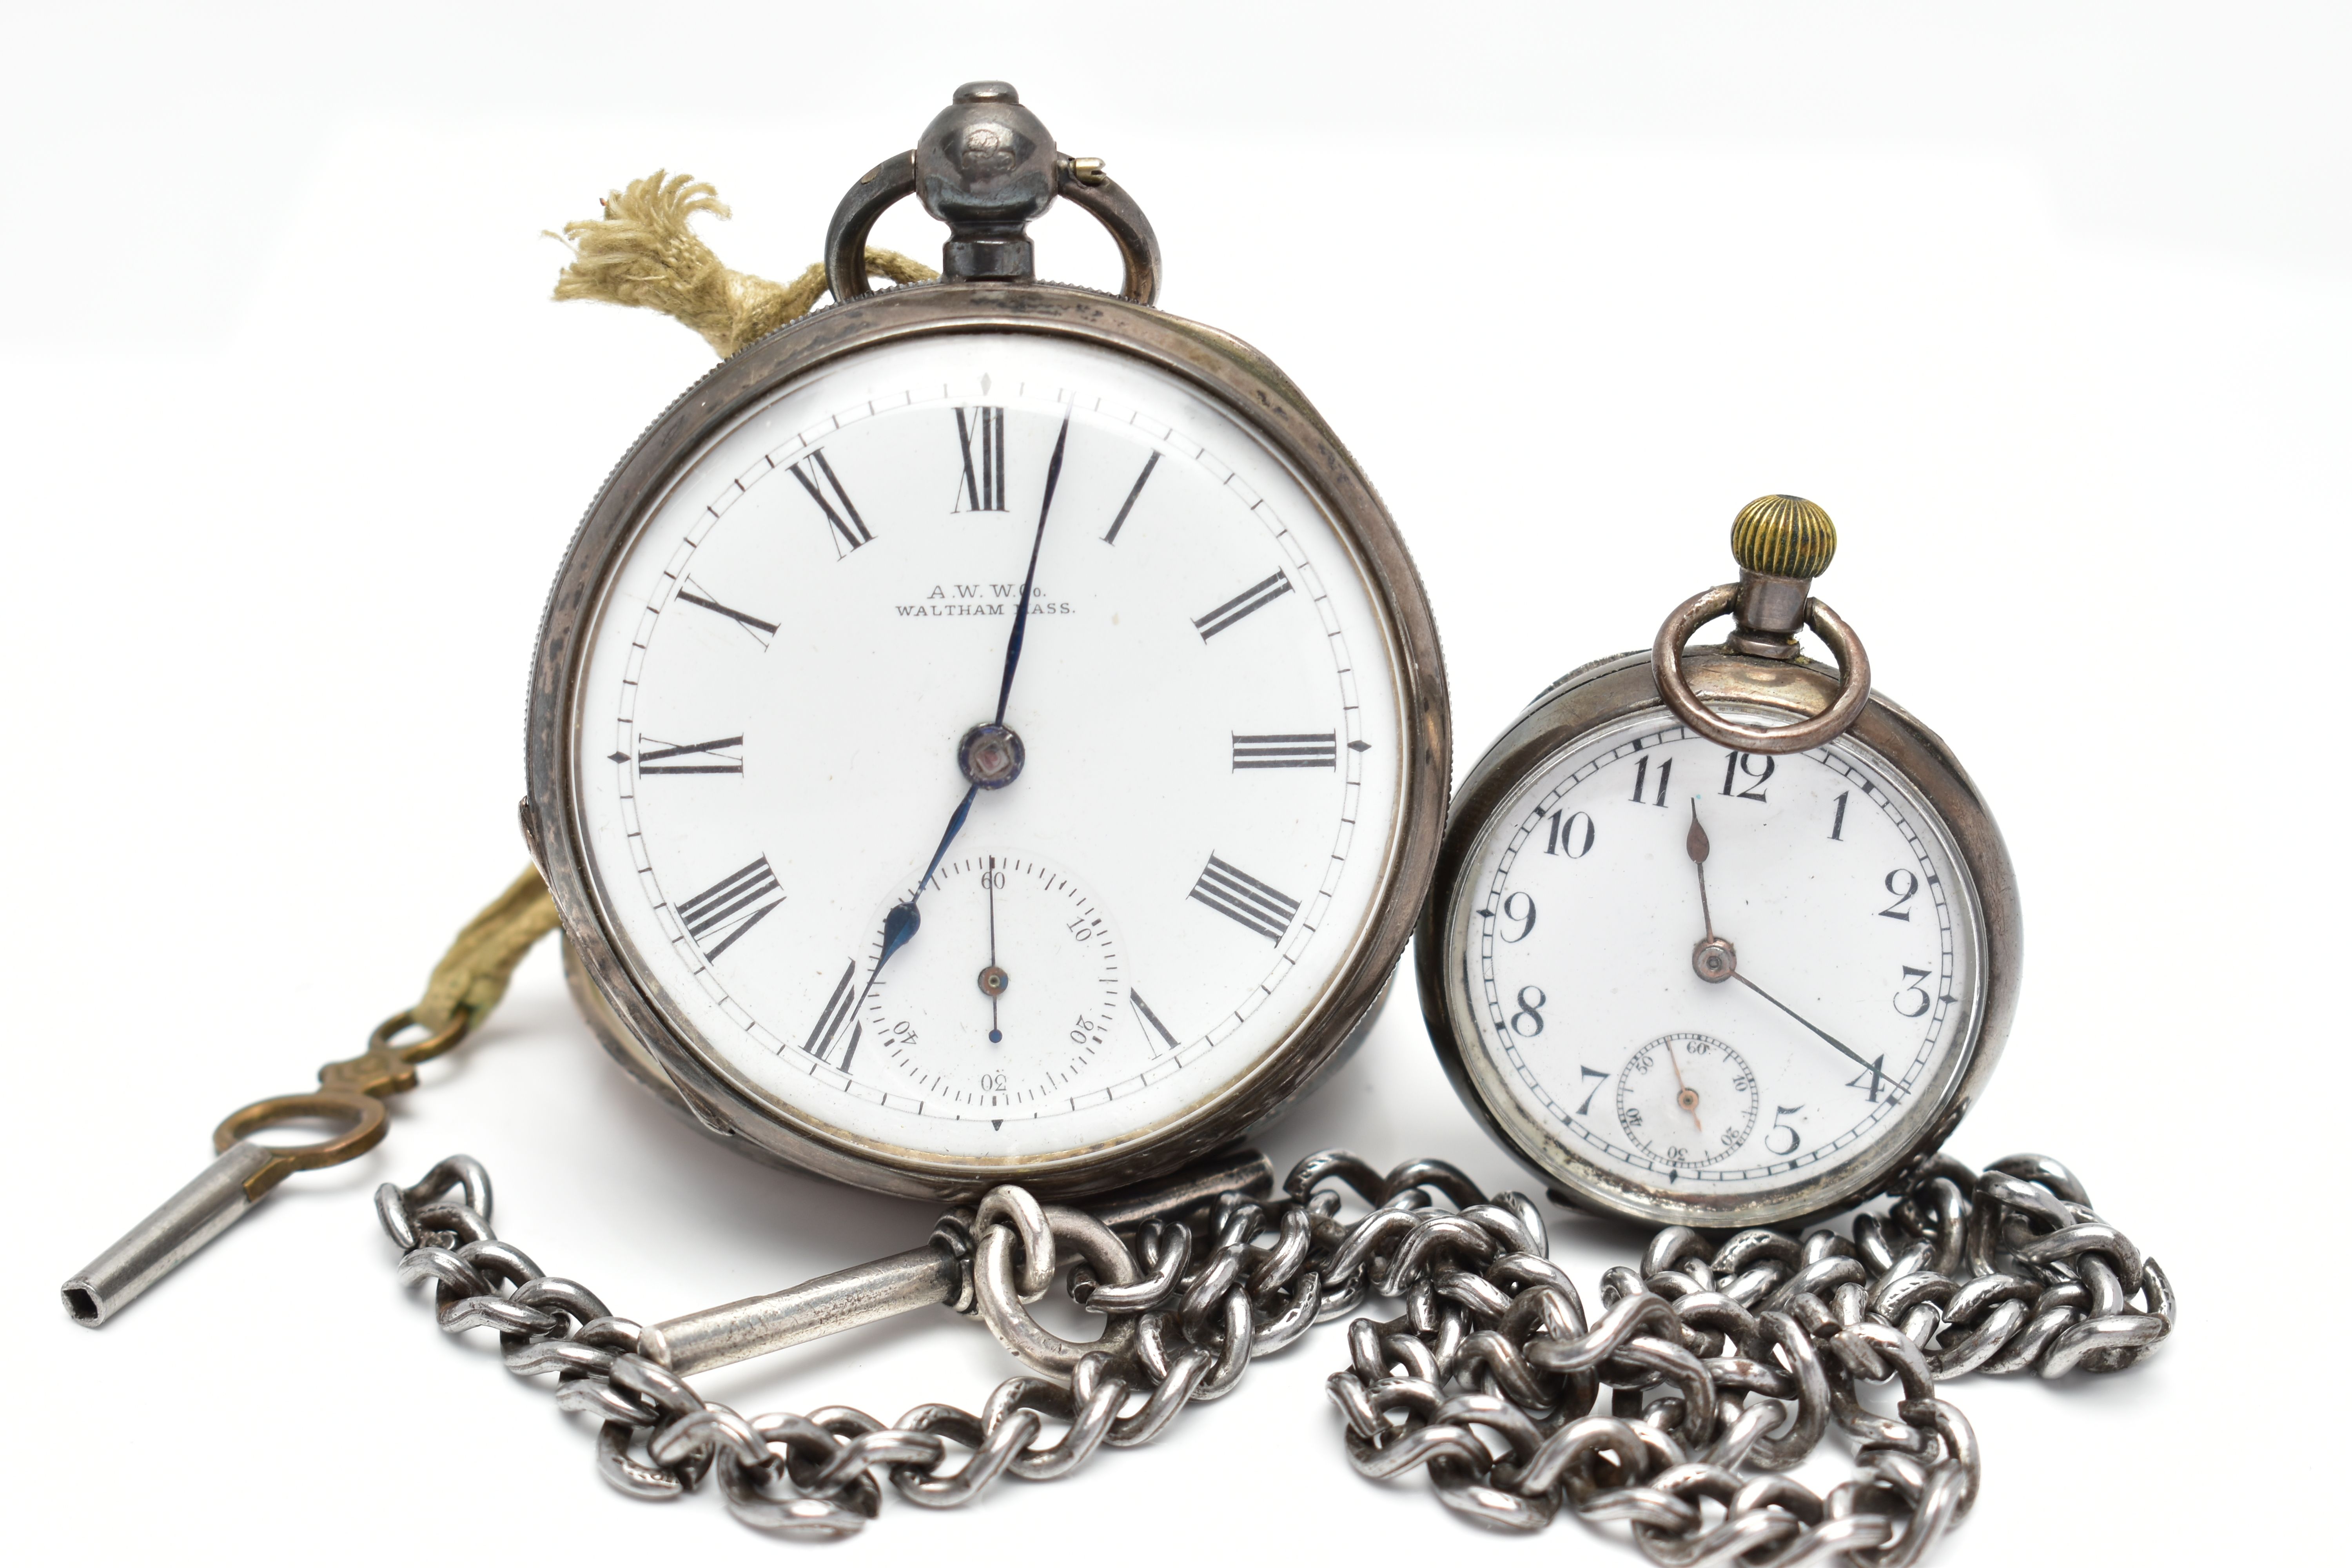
1714,959
1698,846
1685,1096
993,980
1816,1029
1021,615
899,926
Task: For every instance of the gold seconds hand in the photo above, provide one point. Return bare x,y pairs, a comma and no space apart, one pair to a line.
1685,1096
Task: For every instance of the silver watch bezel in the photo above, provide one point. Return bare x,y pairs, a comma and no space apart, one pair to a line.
1601,694
625,1008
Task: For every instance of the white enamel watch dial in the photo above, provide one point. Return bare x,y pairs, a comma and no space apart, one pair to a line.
1842,963
1704,984
1208,772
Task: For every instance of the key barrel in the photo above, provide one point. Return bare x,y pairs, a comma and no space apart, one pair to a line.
168,1238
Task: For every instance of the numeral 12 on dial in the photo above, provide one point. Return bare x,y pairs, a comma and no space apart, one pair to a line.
981,433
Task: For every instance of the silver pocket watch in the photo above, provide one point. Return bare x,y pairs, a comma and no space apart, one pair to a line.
987,730
1723,938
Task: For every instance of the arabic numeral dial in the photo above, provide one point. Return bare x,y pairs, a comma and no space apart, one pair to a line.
1715,975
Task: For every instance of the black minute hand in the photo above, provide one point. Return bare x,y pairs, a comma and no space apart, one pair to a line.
1807,1022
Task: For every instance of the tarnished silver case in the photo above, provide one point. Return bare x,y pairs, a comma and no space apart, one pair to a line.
1612,689
627,1010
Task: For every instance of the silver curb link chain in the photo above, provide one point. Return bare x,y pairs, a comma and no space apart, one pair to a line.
1721,1358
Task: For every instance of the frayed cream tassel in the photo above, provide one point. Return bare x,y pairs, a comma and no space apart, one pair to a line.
643,252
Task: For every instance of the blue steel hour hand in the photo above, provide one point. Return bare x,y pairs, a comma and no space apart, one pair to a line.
990,754
899,926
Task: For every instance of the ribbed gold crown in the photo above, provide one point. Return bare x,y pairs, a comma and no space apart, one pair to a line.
1783,536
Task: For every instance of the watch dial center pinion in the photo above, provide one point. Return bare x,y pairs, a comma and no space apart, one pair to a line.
1716,960
991,755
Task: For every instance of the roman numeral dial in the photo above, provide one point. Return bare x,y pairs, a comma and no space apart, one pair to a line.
1216,744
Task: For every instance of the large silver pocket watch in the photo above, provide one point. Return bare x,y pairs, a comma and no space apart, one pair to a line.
1722,938
987,730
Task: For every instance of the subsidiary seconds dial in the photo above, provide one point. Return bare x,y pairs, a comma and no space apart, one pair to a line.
1017,946
1686,1099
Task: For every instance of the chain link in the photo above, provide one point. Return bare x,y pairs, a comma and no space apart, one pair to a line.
1726,1361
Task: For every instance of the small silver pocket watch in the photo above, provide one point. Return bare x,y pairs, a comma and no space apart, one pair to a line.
1721,938
987,730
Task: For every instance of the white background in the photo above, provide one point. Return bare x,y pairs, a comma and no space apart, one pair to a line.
2049,307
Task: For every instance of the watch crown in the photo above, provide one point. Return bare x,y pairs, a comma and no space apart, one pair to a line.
1783,536
988,168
